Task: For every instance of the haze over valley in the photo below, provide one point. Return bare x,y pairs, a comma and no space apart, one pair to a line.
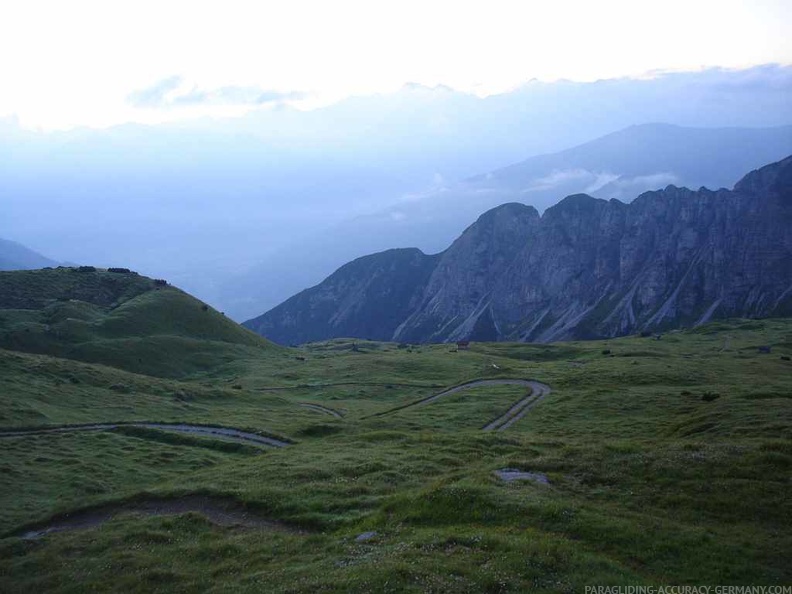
246,212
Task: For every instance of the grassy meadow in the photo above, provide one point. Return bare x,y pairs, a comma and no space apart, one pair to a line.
668,461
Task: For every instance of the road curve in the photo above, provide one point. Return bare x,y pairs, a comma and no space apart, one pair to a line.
322,409
226,433
504,421
519,408
476,384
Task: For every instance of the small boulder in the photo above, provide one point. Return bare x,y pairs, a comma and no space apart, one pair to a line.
514,474
365,536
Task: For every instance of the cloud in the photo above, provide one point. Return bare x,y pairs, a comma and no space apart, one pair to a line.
235,96
764,78
627,188
602,179
558,178
171,92
601,184
156,94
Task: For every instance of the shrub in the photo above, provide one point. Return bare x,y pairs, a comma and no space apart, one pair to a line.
120,270
710,396
86,269
160,282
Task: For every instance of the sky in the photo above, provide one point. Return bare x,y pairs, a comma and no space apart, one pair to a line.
99,63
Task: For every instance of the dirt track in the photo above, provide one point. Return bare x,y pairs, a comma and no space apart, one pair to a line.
322,409
519,408
220,511
226,433
507,419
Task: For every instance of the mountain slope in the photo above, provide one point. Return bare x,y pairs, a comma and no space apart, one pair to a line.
594,268
15,256
619,165
636,158
368,297
117,318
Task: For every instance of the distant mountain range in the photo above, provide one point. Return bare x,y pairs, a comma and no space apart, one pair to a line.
620,165
15,256
586,268
244,212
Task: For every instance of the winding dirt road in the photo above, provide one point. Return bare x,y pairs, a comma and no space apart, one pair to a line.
226,433
537,393
221,511
322,409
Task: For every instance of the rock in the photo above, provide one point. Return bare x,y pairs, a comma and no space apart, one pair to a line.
513,474
586,268
365,536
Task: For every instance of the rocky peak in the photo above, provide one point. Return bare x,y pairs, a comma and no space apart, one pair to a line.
775,179
587,268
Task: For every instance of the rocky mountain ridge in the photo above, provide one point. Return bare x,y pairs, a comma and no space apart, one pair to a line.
586,268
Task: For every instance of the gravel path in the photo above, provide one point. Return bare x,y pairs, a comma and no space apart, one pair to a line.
341,384
226,433
476,384
322,409
507,419
518,409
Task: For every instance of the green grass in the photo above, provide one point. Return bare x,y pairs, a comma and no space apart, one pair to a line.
653,479
467,409
124,320
57,473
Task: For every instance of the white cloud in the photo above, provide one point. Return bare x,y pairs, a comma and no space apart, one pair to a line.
601,179
558,178
174,92
627,188
69,63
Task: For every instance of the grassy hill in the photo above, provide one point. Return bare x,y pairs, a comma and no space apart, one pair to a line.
667,462
119,318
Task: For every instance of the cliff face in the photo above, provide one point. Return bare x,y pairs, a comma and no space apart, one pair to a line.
366,298
586,268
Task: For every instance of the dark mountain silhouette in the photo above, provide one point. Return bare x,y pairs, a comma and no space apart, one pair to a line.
586,268
15,256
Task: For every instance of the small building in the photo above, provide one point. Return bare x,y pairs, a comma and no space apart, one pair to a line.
463,345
